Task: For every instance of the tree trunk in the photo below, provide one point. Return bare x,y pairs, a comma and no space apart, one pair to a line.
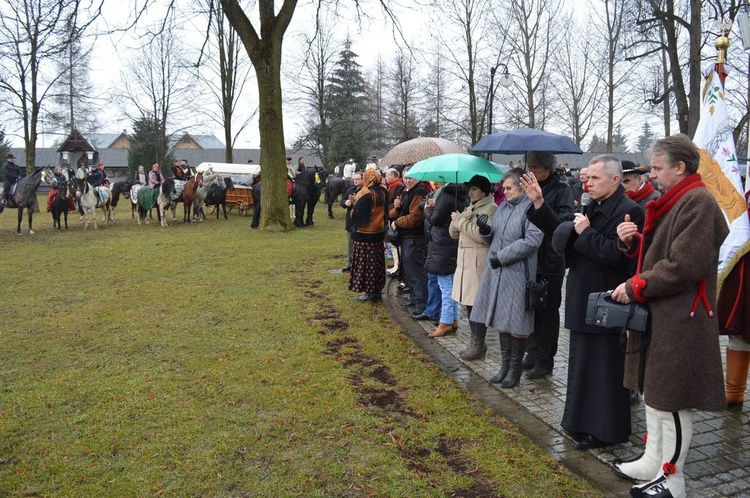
274,206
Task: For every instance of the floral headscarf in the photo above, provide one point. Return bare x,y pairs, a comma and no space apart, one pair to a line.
370,178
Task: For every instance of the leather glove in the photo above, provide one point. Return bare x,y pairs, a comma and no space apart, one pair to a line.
494,261
484,228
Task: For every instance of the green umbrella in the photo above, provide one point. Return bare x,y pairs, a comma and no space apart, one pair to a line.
456,168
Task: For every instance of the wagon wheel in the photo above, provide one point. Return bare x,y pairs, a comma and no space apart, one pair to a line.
242,208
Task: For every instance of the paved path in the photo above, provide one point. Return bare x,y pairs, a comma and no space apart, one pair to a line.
718,464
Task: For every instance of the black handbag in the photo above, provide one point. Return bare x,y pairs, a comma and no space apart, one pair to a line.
536,291
603,312
393,236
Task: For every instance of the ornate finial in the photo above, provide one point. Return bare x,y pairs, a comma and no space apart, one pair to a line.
723,26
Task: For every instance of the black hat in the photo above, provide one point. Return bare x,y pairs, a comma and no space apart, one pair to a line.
481,182
10,156
631,167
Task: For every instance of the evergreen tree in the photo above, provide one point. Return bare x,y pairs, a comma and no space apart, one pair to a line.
148,145
597,144
646,139
619,141
348,128
4,146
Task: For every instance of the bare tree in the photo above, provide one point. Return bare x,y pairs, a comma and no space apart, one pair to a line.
578,93
32,38
73,100
402,120
540,25
225,76
312,78
158,86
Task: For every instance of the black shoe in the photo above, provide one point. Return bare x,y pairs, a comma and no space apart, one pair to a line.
539,372
367,296
346,269
421,316
403,290
529,361
406,304
588,442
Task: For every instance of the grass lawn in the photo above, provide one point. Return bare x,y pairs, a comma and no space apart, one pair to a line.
212,360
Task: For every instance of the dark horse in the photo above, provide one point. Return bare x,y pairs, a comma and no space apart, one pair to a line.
60,203
335,187
120,189
25,197
217,195
306,194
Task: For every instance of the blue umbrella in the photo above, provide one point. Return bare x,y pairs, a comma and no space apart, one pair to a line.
525,140
455,168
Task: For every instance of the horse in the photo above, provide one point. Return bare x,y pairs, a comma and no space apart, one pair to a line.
186,197
60,203
335,187
202,192
118,189
217,195
306,194
161,197
24,197
87,201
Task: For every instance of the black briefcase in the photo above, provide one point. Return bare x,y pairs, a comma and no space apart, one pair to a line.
603,312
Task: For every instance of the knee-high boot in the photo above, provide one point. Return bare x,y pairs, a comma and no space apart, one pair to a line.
505,353
648,465
677,431
737,367
477,347
517,350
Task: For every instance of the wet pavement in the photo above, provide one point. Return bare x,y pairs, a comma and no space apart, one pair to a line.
718,464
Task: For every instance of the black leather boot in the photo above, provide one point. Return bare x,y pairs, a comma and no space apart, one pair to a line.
517,350
505,353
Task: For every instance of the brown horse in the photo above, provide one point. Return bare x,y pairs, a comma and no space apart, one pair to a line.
186,197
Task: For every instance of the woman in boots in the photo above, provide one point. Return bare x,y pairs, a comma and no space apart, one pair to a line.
472,258
501,299
676,278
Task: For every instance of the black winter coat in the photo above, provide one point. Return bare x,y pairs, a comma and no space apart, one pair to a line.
595,260
558,197
442,250
11,172
349,226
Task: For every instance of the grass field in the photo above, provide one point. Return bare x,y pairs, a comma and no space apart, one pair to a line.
212,360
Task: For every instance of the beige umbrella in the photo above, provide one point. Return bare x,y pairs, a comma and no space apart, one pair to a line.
416,149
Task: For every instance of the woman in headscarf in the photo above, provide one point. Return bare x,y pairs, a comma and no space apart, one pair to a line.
369,219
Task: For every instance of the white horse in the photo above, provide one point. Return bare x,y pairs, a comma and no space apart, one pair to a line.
87,199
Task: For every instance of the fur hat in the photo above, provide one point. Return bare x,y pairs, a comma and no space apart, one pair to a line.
481,182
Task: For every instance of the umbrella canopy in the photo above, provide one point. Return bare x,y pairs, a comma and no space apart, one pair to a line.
456,168
416,149
525,140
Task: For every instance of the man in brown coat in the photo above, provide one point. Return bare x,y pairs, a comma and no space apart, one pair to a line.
676,277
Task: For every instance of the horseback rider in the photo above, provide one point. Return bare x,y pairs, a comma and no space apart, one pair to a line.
155,178
61,183
181,170
11,174
98,178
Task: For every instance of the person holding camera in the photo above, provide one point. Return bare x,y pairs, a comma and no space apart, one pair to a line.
597,406
681,369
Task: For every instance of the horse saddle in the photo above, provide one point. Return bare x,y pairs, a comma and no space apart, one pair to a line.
103,194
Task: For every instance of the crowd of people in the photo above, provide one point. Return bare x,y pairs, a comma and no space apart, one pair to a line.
622,228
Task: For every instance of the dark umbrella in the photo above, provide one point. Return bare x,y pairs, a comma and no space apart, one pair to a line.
524,140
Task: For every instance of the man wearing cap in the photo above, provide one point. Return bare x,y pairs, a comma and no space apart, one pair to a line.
597,405
641,192
11,174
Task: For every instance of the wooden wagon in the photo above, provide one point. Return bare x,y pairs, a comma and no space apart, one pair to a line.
242,177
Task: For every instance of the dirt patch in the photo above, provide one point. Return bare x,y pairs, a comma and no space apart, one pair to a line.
383,374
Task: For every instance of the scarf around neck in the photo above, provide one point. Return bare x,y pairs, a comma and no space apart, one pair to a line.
641,193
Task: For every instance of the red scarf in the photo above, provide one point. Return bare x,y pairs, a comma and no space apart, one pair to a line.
654,211
641,193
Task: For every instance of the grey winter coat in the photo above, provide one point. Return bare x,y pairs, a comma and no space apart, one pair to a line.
500,301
